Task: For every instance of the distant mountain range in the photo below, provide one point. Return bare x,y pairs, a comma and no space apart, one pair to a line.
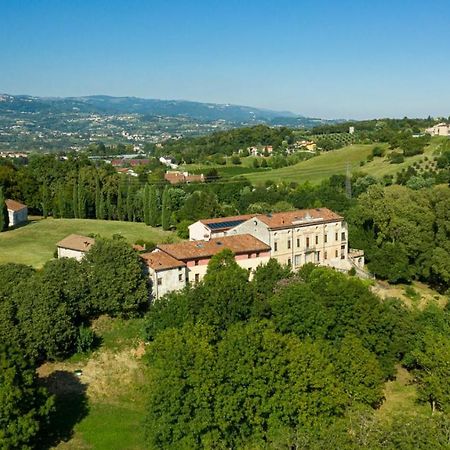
52,122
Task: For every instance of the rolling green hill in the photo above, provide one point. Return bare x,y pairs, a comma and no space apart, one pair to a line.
35,242
335,162
318,168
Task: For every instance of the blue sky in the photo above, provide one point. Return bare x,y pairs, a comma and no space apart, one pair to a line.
348,58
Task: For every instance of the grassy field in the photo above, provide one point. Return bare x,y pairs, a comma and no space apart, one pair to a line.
34,243
335,162
318,168
104,408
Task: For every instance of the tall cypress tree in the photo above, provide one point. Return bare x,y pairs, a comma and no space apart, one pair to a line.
4,218
146,204
120,206
98,201
75,200
130,202
61,202
154,214
45,200
166,213
81,199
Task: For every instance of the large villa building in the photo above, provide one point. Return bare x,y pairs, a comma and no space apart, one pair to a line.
295,238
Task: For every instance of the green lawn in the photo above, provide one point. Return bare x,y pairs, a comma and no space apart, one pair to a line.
34,243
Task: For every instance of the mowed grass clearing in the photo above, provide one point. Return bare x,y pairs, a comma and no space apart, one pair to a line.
318,168
35,243
110,395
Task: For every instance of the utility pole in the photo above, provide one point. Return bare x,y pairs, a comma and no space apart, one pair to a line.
348,182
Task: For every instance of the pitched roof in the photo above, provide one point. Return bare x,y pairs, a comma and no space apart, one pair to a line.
300,217
238,244
14,206
161,261
76,242
225,223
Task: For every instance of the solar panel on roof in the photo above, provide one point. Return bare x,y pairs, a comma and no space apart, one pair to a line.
226,224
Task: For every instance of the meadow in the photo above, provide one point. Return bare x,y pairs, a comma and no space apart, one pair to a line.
35,243
335,162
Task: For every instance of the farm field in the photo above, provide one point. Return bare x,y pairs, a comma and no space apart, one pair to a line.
318,168
335,162
34,243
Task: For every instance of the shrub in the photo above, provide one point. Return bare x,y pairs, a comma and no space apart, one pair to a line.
85,339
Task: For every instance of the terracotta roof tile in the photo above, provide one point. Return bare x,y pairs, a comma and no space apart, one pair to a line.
300,217
238,244
13,205
161,261
76,242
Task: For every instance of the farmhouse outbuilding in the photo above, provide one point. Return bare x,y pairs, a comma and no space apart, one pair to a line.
74,246
17,212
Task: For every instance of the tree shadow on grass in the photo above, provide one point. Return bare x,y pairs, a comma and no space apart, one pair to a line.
71,406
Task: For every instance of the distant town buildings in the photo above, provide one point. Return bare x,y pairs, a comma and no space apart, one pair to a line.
168,161
441,129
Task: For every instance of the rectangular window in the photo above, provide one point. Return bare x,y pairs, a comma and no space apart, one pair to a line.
275,246
196,262
317,240
297,260
325,255
325,238
289,243
343,236
180,277
298,242
337,237
159,281
197,277
336,253
289,262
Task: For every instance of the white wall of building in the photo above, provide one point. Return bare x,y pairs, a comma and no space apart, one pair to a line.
164,281
68,253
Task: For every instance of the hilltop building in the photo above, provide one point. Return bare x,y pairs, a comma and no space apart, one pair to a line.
295,238
176,177
441,129
17,213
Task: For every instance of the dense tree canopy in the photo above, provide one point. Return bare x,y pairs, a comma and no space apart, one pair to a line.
24,406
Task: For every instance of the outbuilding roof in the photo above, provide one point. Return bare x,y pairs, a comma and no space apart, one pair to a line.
76,242
161,261
238,244
12,205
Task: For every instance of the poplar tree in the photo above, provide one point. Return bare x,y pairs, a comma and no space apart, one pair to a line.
4,219
120,212
98,214
154,214
81,199
129,202
146,205
165,216
75,200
